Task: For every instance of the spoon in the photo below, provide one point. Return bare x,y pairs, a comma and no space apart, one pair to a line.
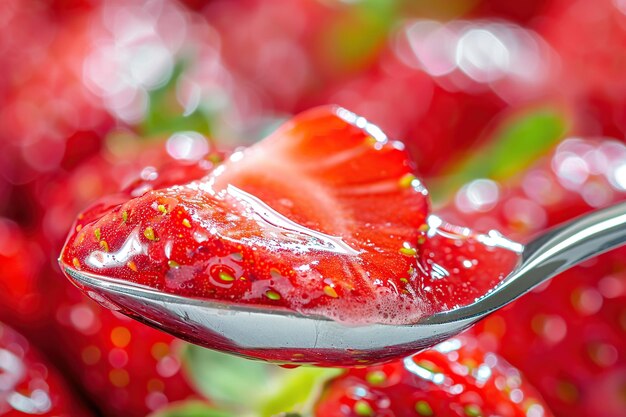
287,337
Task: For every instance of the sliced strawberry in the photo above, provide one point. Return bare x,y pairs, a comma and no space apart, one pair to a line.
454,379
30,386
325,216
577,322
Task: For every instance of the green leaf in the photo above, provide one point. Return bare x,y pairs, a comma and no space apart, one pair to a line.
253,387
297,390
354,38
191,408
166,115
517,142
226,379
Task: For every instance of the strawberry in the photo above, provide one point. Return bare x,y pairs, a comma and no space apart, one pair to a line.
433,98
325,216
575,323
60,103
69,164
125,367
22,301
30,385
523,12
46,101
280,48
455,378
579,175
590,37
36,298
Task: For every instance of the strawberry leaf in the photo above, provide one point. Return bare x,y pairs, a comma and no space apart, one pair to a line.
166,115
297,390
191,408
269,390
355,37
515,144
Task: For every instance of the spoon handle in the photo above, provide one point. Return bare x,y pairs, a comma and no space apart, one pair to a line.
549,254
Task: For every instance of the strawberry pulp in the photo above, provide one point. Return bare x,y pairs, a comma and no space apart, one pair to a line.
323,217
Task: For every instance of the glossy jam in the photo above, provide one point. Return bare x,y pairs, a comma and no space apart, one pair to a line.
324,217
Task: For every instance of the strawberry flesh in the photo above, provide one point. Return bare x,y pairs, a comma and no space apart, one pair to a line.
323,217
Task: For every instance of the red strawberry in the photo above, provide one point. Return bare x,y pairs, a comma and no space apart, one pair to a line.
279,41
61,102
23,303
321,217
577,323
427,90
47,102
590,37
577,177
130,376
454,379
30,385
523,12
125,367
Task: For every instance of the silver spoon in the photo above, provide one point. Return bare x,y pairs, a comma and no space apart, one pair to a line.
288,337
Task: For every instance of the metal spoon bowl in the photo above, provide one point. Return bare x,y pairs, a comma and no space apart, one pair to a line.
287,337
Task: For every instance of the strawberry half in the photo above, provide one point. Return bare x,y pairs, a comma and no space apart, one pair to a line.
323,217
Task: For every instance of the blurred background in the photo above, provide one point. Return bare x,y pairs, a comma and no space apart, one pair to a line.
95,94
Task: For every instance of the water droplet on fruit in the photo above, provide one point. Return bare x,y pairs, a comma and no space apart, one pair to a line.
200,236
438,272
180,277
